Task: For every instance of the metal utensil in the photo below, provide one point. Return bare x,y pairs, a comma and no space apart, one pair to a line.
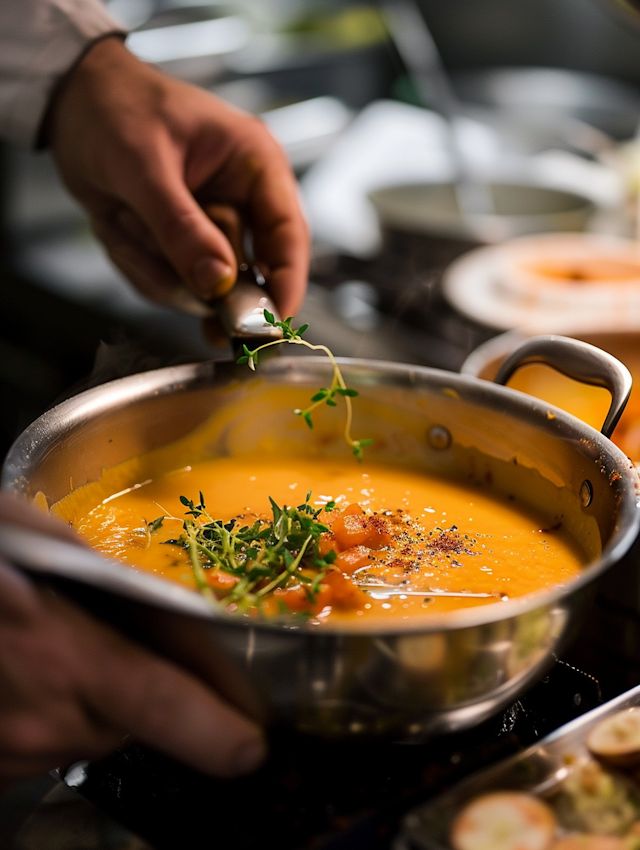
241,313
241,310
386,591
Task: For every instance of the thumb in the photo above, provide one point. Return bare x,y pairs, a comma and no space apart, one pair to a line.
196,248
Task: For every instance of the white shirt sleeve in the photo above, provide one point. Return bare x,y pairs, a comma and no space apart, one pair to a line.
40,40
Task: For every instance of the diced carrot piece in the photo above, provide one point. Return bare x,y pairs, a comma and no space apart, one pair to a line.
361,530
219,580
293,597
344,593
268,608
326,543
353,559
350,530
353,509
324,597
296,599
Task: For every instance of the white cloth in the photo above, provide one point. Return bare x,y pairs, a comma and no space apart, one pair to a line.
40,40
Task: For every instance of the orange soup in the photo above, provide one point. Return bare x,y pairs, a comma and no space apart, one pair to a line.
390,540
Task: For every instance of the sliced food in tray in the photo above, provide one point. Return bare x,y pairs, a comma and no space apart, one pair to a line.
578,789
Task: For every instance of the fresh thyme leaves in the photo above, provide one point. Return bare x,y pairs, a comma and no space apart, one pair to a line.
278,553
155,524
326,395
149,527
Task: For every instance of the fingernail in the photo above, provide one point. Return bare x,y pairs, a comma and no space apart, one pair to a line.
249,757
211,277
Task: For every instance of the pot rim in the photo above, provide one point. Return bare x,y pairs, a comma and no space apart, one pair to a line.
580,328
173,379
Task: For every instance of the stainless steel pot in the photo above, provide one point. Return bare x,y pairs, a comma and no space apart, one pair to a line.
408,680
614,624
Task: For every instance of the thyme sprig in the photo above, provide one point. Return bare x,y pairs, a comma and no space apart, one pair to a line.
326,395
268,554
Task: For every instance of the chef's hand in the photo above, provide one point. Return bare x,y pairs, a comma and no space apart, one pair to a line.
141,151
71,688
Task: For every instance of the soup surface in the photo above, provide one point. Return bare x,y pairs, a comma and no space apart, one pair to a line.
385,526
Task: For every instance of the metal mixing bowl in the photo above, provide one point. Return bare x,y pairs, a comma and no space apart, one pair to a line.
411,679
518,209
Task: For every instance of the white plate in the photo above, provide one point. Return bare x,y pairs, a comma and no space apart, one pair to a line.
471,285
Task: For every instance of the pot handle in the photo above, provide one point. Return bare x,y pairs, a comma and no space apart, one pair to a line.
241,310
577,360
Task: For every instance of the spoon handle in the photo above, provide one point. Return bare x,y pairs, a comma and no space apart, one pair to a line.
383,591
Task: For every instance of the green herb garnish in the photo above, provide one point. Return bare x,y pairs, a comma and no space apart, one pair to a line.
275,553
326,395
155,524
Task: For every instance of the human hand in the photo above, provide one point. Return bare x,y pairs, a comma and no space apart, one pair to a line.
71,688
144,152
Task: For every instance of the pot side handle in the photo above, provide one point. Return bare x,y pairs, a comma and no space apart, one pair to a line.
577,360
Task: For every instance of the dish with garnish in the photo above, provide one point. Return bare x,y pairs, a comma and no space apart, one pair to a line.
578,789
408,675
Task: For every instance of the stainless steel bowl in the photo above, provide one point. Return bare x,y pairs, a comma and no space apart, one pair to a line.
518,210
408,680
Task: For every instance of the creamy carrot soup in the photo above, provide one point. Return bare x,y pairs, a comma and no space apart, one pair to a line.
376,527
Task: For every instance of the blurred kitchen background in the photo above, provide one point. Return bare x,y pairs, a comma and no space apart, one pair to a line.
420,133
541,95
